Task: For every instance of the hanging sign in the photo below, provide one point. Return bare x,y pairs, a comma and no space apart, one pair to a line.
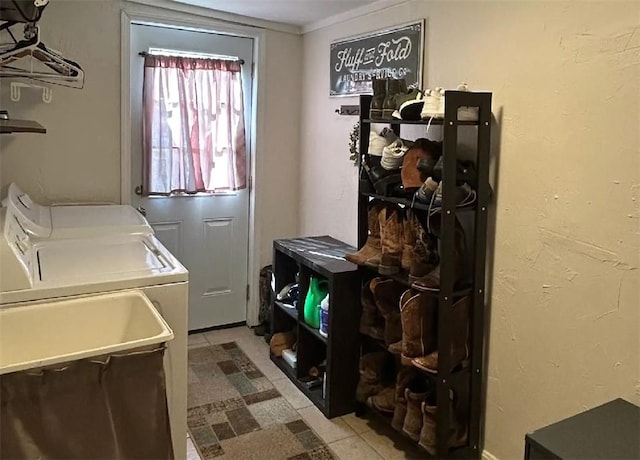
389,53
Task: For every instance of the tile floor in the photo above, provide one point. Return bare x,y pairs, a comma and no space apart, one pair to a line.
349,437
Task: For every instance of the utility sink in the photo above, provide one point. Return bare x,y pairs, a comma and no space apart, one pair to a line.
55,332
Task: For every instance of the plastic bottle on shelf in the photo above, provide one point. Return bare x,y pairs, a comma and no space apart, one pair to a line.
324,317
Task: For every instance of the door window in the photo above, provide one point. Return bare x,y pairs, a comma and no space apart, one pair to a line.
193,125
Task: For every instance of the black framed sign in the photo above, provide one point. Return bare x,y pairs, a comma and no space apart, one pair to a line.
395,53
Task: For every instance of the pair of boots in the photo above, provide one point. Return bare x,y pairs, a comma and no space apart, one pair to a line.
383,248
385,97
380,310
371,369
419,323
420,419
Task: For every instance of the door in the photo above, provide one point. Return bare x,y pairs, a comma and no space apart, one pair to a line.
208,233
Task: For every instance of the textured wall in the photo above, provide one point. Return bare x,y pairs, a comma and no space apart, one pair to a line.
564,308
79,157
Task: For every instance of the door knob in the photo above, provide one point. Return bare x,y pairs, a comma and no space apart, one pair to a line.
138,190
141,210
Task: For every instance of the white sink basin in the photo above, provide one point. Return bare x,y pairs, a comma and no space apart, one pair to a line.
50,333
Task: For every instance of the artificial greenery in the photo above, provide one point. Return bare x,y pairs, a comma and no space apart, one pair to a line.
353,144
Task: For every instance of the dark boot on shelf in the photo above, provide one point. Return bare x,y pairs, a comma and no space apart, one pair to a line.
408,241
460,319
428,432
383,180
383,401
458,433
424,257
387,294
395,88
391,241
403,379
379,86
370,369
370,253
431,281
371,323
419,326
413,420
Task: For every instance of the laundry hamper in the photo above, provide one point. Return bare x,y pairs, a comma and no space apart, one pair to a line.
96,392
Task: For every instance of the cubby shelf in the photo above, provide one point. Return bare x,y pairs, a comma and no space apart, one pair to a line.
415,204
293,312
321,257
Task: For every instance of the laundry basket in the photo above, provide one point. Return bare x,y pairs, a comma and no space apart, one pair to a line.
84,378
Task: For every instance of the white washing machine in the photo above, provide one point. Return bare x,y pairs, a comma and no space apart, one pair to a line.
72,221
41,270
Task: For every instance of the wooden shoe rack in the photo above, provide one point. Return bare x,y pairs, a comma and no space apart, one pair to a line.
321,257
465,383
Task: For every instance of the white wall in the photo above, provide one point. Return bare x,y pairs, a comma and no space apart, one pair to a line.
565,323
79,157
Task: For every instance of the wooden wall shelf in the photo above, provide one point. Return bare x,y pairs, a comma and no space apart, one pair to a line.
21,126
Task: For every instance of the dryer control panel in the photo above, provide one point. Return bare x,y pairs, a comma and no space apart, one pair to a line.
18,239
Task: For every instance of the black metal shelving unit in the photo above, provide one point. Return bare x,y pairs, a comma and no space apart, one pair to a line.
320,256
466,382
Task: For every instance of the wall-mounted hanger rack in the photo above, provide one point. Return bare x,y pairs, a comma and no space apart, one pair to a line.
348,110
44,64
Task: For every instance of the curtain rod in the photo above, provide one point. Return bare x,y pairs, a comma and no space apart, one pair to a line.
144,54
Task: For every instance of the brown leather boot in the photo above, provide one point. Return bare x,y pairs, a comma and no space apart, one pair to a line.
424,258
408,241
458,432
370,253
371,323
422,150
403,379
387,295
419,326
391,239
431,281
460,317
413,420
384,401
371,368
428,432
395,88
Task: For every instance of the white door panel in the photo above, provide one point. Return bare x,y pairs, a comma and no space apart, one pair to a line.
207,233
170,235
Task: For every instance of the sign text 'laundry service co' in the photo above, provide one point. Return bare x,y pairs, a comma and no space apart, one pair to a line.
389,53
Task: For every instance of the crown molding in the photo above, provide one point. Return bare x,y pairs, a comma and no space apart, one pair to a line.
238,19
351,14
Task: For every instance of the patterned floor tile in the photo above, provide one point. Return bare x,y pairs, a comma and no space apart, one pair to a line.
262,396
297,426
242,421
228,367
242,384
276,442
212,451
309,440
223,431
235,412
273,412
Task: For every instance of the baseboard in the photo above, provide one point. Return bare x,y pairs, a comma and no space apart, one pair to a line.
486,455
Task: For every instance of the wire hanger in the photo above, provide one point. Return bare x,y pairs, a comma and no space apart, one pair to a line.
60,71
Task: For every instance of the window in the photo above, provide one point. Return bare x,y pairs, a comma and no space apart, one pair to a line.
193,129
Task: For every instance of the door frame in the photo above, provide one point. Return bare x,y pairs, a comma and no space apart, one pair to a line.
129,17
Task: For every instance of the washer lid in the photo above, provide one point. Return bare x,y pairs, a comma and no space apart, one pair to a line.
89,220
73,221
65,262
